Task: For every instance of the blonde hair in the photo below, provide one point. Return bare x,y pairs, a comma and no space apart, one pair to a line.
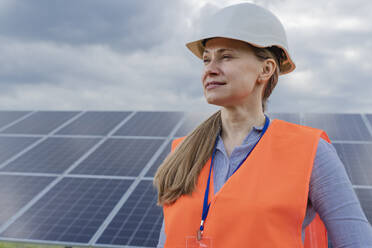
178,174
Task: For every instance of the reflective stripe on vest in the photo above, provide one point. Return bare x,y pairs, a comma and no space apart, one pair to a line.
263,204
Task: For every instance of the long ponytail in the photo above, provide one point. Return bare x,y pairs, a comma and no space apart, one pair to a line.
179,172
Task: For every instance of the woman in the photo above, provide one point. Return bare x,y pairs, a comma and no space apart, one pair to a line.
243,180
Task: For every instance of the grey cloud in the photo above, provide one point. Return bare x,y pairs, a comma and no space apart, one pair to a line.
122,24
95,54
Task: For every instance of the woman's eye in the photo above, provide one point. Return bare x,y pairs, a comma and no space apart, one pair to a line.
205,60
226,56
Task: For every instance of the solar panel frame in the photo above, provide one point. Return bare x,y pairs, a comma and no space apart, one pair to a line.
42,122
24,187
94,123
101,194
7,117
365,198
357,161
53,155
159,160
10,146
119,157
341,127
141,226
159,124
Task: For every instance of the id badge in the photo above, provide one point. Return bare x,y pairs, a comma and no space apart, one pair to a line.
193,242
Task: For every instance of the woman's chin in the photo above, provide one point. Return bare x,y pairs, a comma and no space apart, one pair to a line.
215,100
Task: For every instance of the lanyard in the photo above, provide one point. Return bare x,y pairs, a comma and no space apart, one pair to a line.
206,194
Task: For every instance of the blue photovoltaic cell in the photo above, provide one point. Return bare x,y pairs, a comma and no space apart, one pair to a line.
72,211
192,120
150,124
10,146
7,117
290,117
159,160
42,122
16,191
119,157
94,123
365,198
54,155
357,159
138,222
340,126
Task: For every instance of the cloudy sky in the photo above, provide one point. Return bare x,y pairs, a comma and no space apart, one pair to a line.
130,55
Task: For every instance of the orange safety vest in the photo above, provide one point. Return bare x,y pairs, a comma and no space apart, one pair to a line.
262,204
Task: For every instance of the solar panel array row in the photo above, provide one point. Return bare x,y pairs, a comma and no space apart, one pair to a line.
74,178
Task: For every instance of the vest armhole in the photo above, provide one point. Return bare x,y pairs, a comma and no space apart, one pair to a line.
324,136
176,142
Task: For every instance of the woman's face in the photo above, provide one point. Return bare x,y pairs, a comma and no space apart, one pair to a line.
230,72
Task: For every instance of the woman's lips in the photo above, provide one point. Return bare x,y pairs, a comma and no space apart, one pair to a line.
212,85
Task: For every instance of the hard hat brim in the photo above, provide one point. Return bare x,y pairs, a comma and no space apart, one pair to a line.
286,65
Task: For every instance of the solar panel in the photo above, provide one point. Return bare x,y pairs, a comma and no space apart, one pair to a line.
290,117
54,155
7,117
10,146
42,122
150,124
119,157
365,198
72,211
94,123
16,191
343,127
357,160
138,222
159,160
94,204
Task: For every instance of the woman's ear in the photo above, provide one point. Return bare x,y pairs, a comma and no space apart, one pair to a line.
268,69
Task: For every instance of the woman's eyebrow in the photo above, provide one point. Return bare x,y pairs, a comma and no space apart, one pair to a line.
221,50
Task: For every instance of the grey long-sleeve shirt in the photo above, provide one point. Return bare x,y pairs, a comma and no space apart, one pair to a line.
330,193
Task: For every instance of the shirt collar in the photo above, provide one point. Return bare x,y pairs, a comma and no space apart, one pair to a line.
220,146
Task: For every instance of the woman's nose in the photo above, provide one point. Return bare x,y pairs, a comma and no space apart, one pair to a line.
211,67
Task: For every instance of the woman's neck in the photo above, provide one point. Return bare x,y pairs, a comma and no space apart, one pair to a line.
237,122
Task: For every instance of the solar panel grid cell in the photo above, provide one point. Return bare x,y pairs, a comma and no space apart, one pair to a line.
151,172
94,123
54,155
357,160
42,122
343,127
17,191
150,124
10,146
72,211
7,117
119,157
138,222
365,198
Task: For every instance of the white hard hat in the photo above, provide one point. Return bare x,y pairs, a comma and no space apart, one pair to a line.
246,22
